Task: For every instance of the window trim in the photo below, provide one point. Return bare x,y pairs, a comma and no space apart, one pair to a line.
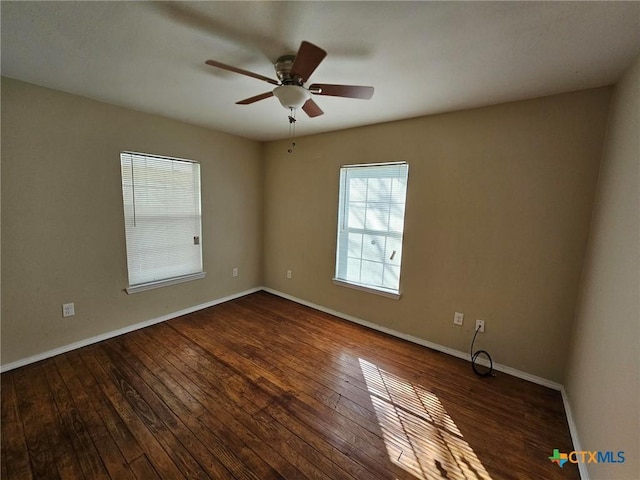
161,157
368,288
375,289
145,286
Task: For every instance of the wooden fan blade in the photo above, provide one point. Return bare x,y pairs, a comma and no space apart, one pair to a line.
248,101
311,108
349,91
213,63
307,60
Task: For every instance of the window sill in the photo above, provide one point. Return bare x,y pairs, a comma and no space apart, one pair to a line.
164,283
363,288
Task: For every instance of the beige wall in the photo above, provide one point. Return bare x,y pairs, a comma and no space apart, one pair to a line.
62,219
603,377
498,211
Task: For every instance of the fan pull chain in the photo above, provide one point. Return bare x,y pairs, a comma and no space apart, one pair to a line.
292,129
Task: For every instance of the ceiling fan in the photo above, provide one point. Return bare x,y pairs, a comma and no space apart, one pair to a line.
292,72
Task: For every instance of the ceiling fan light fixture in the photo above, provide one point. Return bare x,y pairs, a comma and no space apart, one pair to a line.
292,72
291,96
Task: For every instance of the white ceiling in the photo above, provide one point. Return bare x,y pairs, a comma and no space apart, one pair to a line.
421,57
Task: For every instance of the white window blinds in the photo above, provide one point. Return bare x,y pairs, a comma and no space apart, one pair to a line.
162,218
370,225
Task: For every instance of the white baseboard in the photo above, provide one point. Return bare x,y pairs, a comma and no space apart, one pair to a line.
120,331
440,348
419,341
573,430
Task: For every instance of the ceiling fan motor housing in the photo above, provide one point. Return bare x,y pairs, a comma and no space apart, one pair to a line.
291,93
283,70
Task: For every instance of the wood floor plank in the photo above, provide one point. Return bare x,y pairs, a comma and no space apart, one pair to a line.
220,426
264,435
75,403
3,463
82,460
143,470
150,445
268,395
264,388
349,437
212,452
36,409
71,364
238,387
176,439
282,408
353,446
342,426
468,397
15,455
333,385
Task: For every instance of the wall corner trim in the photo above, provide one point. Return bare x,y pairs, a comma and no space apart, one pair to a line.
573,430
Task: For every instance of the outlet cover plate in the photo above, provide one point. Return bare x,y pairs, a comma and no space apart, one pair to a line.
68,310
458,318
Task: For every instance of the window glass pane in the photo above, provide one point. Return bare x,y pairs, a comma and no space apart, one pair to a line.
393,251
353,270
358,190
377,216
356,215
355,245
396,217
399,189
373,247
379,190
371,273
391,277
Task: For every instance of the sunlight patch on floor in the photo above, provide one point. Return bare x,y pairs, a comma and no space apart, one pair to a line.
420,436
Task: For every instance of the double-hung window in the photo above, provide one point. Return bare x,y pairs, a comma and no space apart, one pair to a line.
161,199
370,226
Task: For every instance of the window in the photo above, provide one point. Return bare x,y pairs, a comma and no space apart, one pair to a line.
161,199
370,226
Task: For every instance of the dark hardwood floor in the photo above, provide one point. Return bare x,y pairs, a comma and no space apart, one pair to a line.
262,388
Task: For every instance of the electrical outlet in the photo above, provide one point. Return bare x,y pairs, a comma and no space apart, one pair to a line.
235,272
289,274
68,310
458,318
480,325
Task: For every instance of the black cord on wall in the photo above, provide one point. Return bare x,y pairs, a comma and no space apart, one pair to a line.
474,357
